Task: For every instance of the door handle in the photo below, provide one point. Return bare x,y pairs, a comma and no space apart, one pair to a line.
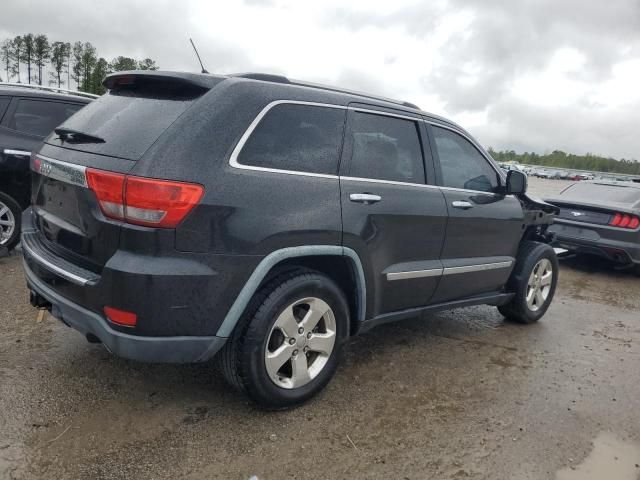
462,204
366,198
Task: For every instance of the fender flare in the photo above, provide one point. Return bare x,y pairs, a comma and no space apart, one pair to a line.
271,260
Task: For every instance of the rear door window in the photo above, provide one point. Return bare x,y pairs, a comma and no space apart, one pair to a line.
385,148
462,165
301,138
40,117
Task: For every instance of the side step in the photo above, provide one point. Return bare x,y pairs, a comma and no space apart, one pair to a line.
494,299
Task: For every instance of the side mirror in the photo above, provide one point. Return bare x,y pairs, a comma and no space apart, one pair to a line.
516,183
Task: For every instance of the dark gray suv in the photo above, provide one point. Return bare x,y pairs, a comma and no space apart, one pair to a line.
266,220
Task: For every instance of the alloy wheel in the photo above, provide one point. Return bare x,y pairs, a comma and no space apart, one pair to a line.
300,343
7,223
539,285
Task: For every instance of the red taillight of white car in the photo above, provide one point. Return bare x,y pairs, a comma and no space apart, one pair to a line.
623,220
143,201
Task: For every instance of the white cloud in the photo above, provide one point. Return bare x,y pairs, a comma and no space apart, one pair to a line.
533,74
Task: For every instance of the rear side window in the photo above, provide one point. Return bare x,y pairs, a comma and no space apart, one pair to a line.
4,103
463,166
301,138
386,148
39,117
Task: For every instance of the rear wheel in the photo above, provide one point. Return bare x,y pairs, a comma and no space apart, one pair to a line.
288,346
533,282
10,214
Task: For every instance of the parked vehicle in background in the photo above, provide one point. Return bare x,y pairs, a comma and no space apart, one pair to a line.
544,173
27,115
269,220
600,218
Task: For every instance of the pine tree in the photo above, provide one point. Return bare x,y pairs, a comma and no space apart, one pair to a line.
5,56
27,52
59,57
41,53
17,45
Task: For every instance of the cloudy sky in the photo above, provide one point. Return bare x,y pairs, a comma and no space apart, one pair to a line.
533,75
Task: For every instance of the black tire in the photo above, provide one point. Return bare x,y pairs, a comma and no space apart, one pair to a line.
16,213
242,360
529,255
636,269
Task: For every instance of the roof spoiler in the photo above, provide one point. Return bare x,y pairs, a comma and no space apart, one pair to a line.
187,79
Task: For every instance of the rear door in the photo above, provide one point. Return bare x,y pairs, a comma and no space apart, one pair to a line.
484,227
392,218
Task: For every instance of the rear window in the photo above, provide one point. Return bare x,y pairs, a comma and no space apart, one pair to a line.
300,138
40,117
602,192
130,119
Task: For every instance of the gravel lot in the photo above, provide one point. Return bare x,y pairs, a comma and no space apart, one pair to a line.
459,394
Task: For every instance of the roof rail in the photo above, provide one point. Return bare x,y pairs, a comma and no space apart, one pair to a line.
51,89
266,77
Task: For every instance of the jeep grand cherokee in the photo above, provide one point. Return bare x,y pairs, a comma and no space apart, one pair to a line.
267,220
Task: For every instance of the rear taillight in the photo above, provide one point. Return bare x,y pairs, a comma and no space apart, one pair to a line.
624,220
143,201
109,188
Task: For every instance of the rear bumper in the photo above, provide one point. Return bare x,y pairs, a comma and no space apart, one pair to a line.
177,349
597,241
174,294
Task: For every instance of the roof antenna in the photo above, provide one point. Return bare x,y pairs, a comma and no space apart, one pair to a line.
204,70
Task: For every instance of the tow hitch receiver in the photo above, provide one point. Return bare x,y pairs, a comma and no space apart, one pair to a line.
39,301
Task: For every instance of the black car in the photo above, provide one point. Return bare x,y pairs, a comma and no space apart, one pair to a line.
266,220
600,218
27,115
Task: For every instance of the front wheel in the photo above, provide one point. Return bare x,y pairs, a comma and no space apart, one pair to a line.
533,282
289,344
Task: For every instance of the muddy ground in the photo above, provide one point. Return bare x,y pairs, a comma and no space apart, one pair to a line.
455,395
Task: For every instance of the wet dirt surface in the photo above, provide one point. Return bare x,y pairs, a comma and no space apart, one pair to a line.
459,394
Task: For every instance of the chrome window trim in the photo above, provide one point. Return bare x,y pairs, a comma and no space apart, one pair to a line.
387,182
477,268
386,114
433,272
476,192
63,171
233,159
20,153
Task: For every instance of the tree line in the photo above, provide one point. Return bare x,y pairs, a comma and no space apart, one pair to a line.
561,159
35,56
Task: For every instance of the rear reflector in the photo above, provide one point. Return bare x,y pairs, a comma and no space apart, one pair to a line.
623,220
121,317
143,201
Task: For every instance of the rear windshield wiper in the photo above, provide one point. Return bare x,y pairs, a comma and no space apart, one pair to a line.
75,136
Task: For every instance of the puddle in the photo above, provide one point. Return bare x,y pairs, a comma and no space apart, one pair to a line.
610,459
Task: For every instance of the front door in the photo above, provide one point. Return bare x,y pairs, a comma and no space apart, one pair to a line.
484,227
391,217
